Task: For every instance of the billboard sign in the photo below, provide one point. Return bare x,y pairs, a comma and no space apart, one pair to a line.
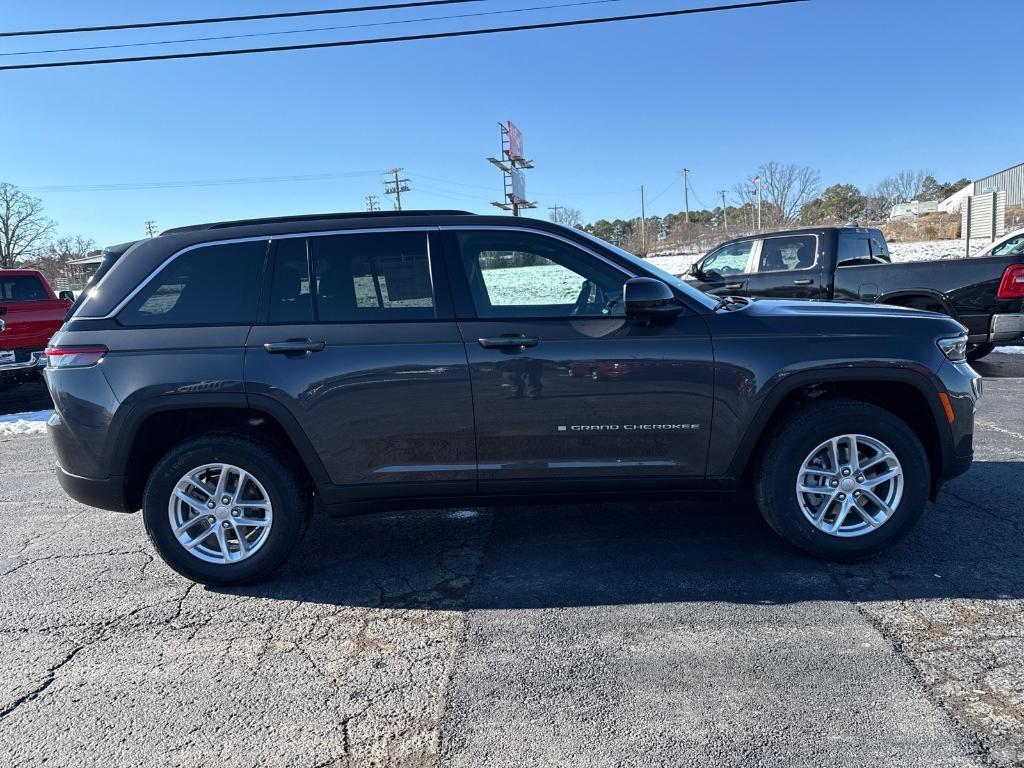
515,142
518,186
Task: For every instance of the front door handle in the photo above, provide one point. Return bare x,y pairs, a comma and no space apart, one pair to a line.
504,342
733,286
294,347
803,282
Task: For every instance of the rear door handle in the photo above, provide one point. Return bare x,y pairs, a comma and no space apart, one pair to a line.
503,342
294,347
803,282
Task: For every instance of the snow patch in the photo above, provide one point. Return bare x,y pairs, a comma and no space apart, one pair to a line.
1010,350
463,514
27,423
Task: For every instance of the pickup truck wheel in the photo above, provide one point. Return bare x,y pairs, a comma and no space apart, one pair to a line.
223,510
842,480
978,351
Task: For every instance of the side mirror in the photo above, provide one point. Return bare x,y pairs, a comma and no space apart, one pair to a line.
695,269
66,296
647,297
2,326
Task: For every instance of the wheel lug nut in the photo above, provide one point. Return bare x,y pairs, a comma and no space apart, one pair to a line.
846,472
226,524
236,512
834,483
225,499
211,519
860,478
210,504
856,494
842,497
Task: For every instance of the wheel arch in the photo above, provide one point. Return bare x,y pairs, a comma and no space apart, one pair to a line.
148,432
909,394
907,297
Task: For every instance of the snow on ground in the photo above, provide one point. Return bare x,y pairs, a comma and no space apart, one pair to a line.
1011,350
27,423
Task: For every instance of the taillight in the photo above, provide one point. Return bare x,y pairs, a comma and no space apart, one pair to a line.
1012,284
73,357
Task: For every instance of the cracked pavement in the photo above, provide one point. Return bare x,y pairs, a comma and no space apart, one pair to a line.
615,634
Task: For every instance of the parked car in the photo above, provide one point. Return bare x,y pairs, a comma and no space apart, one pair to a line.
229,378
30,313
985,292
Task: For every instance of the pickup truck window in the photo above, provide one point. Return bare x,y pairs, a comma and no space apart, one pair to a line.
779,254
730,260
853,250
879,250
21,288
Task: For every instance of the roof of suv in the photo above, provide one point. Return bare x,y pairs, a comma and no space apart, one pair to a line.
306,217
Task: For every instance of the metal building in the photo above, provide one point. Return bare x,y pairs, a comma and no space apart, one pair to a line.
1010,181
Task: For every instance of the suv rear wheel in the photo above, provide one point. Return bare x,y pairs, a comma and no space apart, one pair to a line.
222,509
843,480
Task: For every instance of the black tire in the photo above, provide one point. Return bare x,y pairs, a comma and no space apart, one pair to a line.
288,495
775,479
977,351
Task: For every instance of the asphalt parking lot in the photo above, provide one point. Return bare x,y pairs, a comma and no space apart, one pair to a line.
602,636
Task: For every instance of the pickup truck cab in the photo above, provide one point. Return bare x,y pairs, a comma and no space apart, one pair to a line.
30,313
985,292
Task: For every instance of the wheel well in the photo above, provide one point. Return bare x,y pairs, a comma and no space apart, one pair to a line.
900,398
161,431
921,301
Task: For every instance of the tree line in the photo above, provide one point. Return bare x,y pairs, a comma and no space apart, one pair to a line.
791,195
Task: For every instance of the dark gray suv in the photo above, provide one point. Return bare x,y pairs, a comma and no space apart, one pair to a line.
229,378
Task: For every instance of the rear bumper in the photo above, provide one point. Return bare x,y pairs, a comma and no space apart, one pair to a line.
1007,327
22,370
105,493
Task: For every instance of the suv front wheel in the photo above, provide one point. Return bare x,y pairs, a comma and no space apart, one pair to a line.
843,479
222,509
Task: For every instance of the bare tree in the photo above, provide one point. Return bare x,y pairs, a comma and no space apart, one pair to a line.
24,230
786,188
54,259
903,187
567,217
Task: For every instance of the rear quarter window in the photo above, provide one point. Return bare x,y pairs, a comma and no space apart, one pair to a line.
210,285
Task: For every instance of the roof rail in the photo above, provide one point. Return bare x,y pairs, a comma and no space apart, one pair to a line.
313,217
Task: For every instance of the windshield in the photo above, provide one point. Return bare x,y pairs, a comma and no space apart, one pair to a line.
1012,247
698,296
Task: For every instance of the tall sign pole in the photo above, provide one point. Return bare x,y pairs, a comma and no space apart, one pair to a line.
511,163
725,212
643,224
686,193
757,187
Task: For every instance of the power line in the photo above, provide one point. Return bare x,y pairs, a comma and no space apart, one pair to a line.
223,19
197,183
405,38
335,28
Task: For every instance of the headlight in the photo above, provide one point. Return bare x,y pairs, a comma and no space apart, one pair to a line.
955,348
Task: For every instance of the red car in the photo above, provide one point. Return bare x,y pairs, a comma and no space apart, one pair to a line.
30,313
600,369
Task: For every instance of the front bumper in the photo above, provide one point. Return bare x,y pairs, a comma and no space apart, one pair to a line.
963,386
104,493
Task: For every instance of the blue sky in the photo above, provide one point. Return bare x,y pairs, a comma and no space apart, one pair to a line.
856,88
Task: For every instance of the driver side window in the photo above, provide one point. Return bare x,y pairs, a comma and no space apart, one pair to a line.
730,260
520,274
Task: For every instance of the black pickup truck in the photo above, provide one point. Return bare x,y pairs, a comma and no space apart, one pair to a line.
984,292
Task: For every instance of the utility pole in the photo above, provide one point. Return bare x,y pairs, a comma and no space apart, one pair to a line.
643,224
725,211
396,187
686,193
554,212
757,186
151,228
371,203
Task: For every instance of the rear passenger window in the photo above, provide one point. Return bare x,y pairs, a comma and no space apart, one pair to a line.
779,254
372,277
853,250
212,285
291,294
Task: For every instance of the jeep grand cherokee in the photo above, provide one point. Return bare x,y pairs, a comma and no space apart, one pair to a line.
227,378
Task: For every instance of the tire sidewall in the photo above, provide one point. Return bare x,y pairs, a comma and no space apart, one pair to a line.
793,447
275,477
